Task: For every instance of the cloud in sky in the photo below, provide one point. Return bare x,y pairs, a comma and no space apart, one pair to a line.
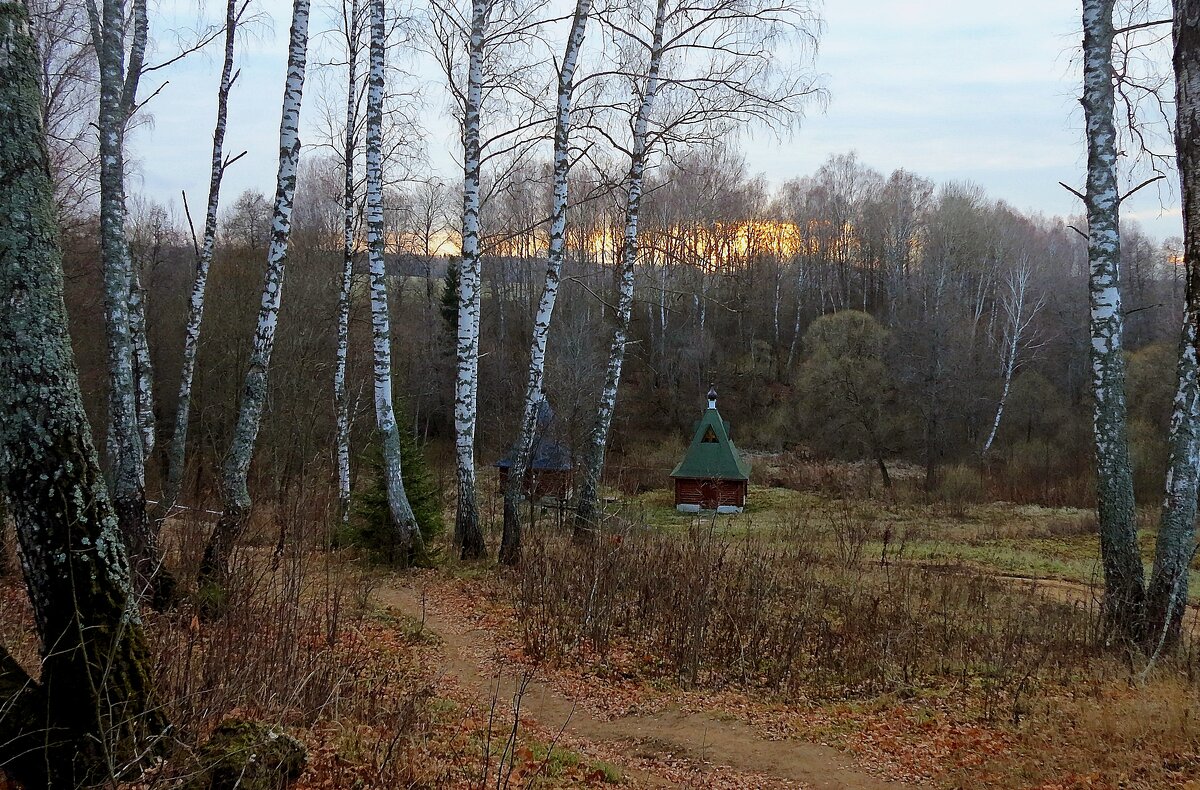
950,90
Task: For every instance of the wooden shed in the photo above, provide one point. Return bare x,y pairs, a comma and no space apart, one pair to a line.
549,475
713,475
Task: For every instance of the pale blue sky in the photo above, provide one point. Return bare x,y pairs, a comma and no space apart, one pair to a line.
947,89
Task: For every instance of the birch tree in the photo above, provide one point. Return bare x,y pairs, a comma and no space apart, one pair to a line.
127,401
143,368
1020,307
1124,593
585,514
488,32
715,64
352,22
176,454
235,472
403,523
467,531
90,716
1167,594
510,545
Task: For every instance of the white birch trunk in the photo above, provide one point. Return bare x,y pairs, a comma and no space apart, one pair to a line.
176,454
800,282
143,369
117,90
234,483
510,545
404,525
1167,594
1124,594
340,397
1019,316
662,312
586,514
467,532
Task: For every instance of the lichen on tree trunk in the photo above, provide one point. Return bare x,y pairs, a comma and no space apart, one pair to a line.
1123,576
1167,594
92,716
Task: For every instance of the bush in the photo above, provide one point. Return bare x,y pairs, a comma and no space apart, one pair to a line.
710,611
961,486
846,400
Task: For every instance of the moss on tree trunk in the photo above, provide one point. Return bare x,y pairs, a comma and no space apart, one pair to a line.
92,714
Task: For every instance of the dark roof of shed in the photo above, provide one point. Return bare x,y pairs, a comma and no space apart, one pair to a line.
548,453
548,456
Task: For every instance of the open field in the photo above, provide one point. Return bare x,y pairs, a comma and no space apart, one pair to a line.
1022,541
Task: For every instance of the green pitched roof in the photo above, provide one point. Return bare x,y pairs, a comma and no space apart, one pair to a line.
712,455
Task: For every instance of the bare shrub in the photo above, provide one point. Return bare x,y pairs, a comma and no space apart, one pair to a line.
714,611
1073,526
1041,472
850,535
960,487
287,649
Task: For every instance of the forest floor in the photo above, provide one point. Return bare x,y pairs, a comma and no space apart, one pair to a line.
657,745
1107,727
651,733
425,678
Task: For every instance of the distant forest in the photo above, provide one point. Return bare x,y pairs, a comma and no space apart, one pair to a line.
976,346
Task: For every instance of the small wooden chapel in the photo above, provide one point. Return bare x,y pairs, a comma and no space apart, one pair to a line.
712,475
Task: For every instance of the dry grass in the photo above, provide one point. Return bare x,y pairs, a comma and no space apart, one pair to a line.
956,673
300,645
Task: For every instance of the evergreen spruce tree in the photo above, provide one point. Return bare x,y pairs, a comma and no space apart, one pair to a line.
369,529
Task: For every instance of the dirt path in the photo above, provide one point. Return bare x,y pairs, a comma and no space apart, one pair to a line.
700,738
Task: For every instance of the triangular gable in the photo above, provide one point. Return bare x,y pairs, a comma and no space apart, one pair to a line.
712,454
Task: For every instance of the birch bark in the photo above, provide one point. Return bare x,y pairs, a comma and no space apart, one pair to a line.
1167,594
801,281
467,532
140,352
1124,593
510,544
404,525
340,397
586,512
1019,315
118,88
94,691
177,452
236,469
143,368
